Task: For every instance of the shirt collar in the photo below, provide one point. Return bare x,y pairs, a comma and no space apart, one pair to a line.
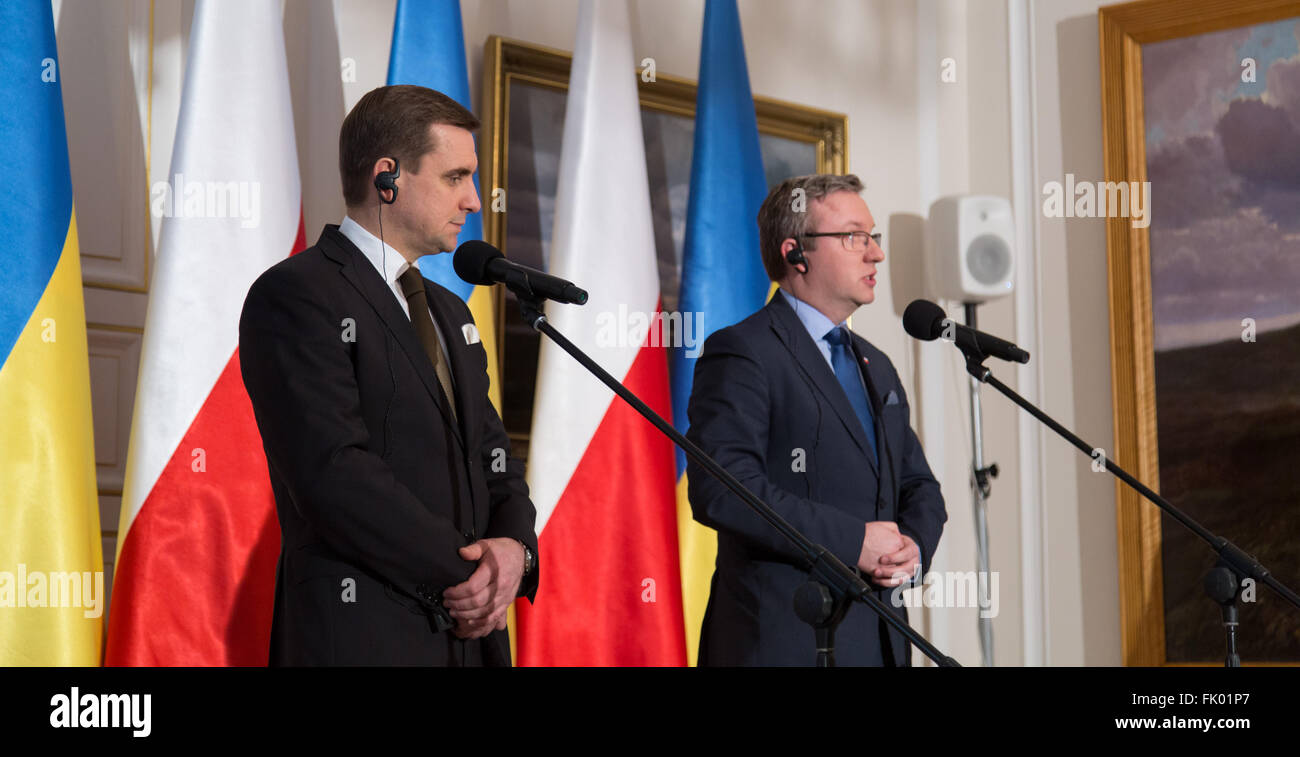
374,251
812,319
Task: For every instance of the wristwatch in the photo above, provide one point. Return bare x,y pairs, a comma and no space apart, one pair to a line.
530,559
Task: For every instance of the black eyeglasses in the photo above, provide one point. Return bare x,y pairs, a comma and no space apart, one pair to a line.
853,241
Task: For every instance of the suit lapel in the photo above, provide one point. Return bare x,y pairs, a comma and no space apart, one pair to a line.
872,376
370,284
875,378
809,360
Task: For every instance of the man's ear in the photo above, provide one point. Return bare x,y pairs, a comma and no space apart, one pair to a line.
792,254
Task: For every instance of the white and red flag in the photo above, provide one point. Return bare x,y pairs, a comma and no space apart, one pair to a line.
198,538
601,476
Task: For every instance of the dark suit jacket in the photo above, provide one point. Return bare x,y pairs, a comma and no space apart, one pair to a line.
766,405
375,487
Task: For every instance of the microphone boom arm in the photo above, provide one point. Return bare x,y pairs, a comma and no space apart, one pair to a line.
1242,563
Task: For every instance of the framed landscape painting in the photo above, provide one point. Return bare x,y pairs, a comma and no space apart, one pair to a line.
1201,98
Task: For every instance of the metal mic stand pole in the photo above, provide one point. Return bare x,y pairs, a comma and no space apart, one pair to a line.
980,486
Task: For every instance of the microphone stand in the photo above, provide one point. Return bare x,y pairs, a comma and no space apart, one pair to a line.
831,586
1224,584
981,484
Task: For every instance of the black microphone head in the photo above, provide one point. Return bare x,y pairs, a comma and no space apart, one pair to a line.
471,261
923,320
576,295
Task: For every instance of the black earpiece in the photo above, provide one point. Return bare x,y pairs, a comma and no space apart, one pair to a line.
388,180
795,256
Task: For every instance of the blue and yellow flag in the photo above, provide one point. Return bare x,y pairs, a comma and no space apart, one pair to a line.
51,567
429,50
723,280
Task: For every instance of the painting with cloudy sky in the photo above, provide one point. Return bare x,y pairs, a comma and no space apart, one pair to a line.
1222,120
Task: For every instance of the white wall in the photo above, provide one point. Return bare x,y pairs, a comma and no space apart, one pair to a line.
1083,579
1052,518
912,138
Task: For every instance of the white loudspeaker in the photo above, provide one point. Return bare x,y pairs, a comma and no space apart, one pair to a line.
969,243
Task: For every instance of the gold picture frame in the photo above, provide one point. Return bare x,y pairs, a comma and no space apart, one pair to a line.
507,63
1124,29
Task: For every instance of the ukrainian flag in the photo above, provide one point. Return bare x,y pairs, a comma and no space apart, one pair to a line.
723,280
51,568
429,50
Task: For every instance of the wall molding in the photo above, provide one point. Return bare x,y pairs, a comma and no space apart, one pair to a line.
1022,60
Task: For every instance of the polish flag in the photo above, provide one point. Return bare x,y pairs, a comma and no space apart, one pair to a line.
198,538
601,476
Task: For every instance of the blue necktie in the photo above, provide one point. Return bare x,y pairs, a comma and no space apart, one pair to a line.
846,370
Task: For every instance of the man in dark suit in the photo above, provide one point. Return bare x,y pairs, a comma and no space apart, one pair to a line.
814,420
406,529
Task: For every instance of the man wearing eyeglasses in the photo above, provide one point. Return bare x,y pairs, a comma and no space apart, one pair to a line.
814,420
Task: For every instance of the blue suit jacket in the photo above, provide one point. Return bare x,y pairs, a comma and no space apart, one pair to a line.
767,406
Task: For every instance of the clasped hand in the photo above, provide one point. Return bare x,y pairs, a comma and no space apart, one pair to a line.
479,604
890,558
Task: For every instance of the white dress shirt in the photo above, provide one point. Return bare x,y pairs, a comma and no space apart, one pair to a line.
380,256
815,322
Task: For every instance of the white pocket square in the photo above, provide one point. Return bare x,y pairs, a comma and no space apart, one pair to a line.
471,333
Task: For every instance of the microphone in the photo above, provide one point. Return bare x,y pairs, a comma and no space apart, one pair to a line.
927,321
480,263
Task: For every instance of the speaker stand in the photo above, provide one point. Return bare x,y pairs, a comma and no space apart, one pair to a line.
981,484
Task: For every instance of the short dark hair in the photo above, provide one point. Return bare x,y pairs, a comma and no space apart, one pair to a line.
784,214
392,122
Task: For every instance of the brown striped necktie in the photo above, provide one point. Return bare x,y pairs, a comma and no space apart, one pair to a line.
413,287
